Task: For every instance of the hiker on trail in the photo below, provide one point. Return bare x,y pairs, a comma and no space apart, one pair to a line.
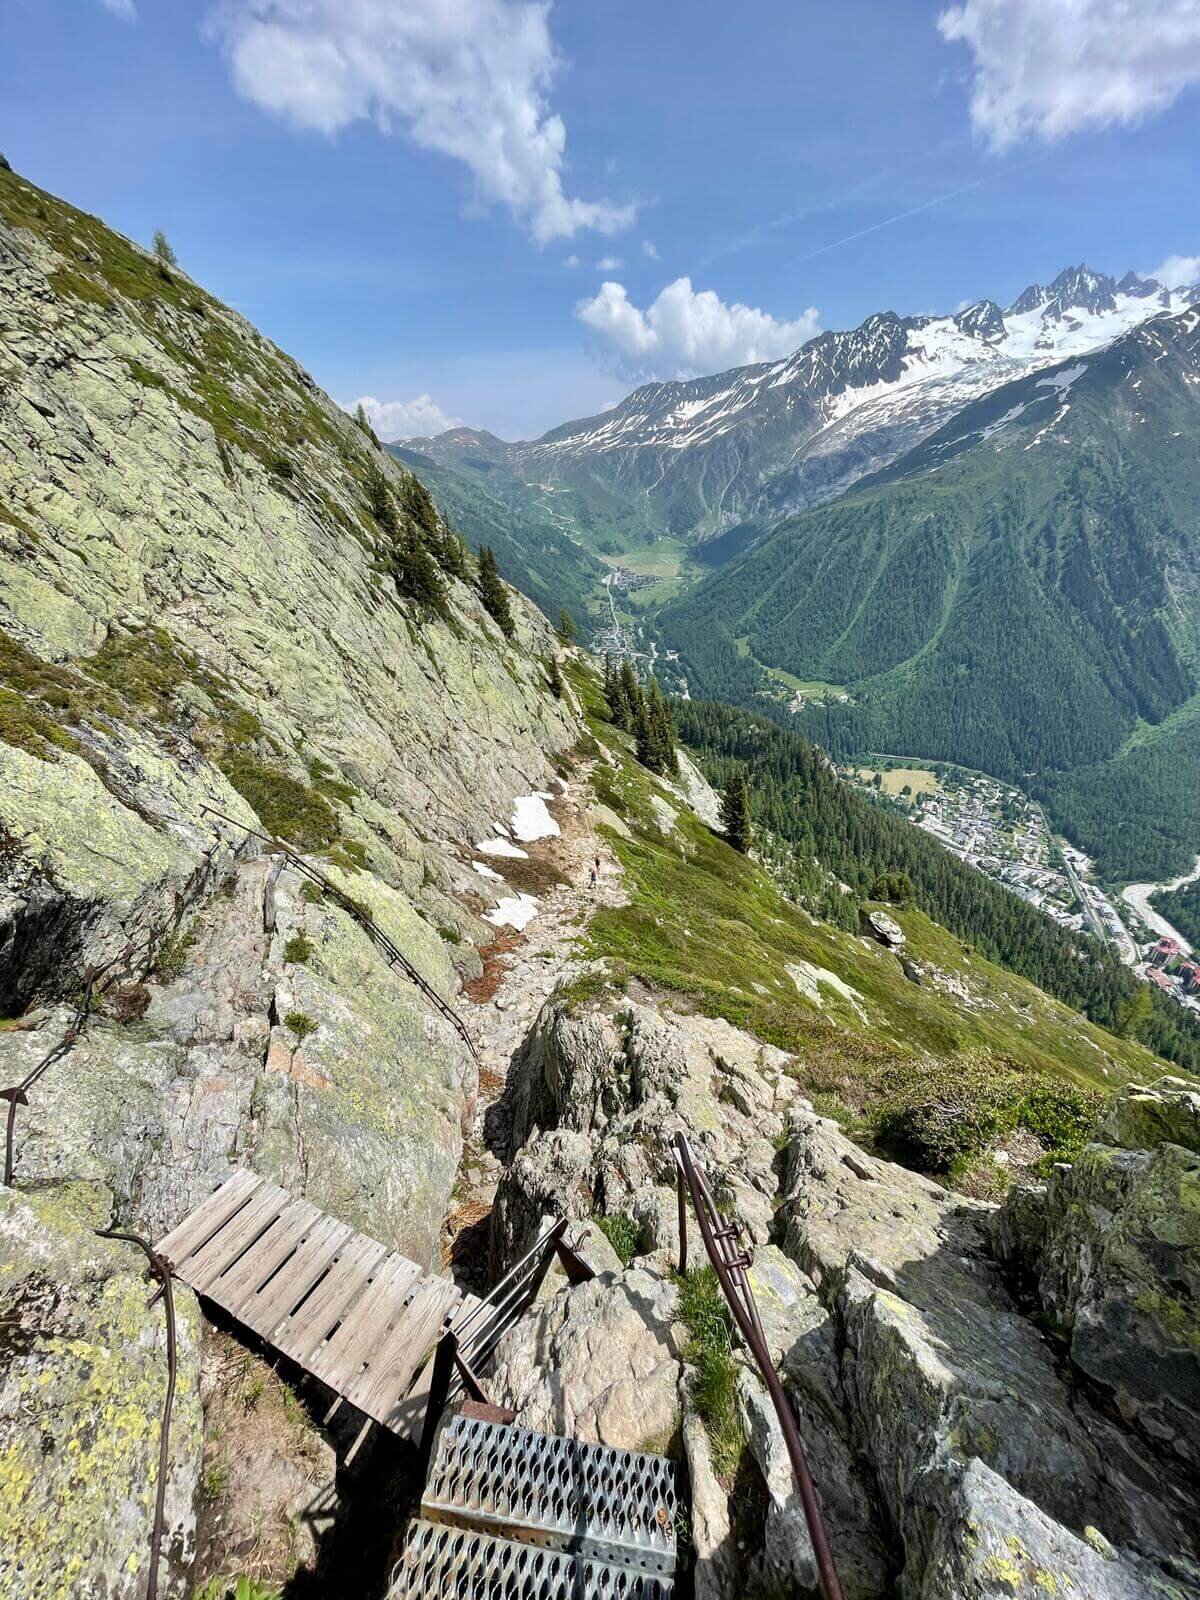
592,879
597,863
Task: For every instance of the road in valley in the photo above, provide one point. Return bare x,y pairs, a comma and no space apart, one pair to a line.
1138,896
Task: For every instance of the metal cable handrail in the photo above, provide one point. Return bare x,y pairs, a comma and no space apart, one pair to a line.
730,1263
162,1268
395,956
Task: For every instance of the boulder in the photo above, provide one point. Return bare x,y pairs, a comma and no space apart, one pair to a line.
598,1362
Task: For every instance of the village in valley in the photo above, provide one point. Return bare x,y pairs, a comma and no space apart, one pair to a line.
1001,832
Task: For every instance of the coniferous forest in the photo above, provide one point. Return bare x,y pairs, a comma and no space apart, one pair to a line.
835,833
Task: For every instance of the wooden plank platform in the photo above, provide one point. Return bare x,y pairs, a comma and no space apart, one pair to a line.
361,1318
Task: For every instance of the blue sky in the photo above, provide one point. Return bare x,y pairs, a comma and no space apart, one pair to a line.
415,197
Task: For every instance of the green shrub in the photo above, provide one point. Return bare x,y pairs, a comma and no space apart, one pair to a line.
896,888
947,1113
621,1231
288,808
281,466
1061,1116
713,1379
299,1023
298,949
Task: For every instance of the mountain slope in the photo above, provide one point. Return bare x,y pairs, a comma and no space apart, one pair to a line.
1020,593
552,569
748,446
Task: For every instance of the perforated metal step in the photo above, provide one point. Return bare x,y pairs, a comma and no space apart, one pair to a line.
610,1505
509,1514
440,1560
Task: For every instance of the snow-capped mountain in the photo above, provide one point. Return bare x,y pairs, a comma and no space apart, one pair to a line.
757,442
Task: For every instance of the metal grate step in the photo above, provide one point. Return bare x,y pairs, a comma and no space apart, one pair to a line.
440,1560
612,1506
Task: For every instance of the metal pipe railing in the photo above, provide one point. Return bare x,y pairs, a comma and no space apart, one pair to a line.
730,1263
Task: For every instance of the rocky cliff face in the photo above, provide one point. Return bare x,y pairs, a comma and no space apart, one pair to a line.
198,609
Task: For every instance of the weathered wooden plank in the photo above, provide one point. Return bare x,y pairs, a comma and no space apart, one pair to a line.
301,1335
241,1281
393,1365
196,1230
348,1350
263,1311
223,1249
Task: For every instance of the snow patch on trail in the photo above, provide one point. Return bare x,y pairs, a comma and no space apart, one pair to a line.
514,911
531,820
501,847
485,871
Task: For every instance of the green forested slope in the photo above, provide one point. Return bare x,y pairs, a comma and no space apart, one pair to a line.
542,562
798,797
1019,594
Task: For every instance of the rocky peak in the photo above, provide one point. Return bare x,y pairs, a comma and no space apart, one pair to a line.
984,320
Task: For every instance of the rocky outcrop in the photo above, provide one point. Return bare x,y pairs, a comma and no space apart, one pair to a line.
953,1453
1111,1249
83,1377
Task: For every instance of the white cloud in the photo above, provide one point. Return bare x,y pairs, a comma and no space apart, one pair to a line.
650,249
571,261
468,78
406,419
1178,272
1047,68
684,333
120,8
609,264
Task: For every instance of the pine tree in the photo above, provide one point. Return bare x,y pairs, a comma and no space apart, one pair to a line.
629,697
416,572
1135,1013
735,811
643,733
493,593
567,630
554,677
163,253
662,732
364,423
383,509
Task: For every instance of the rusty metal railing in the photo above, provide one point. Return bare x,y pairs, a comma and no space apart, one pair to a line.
392,953
162,1269
730,1263
467,1345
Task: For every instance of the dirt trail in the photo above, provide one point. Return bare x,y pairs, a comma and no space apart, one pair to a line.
520,969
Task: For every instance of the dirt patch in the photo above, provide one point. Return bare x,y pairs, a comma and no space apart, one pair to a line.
267,1494
483,988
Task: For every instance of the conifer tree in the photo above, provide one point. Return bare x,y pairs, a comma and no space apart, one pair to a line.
163,253
735,811
416,572
493,593
629,697
662,732
567,630
554,677
643,733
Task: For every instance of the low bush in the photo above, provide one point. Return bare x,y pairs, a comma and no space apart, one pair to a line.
622,1233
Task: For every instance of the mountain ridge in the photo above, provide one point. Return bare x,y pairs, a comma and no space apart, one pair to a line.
696,457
